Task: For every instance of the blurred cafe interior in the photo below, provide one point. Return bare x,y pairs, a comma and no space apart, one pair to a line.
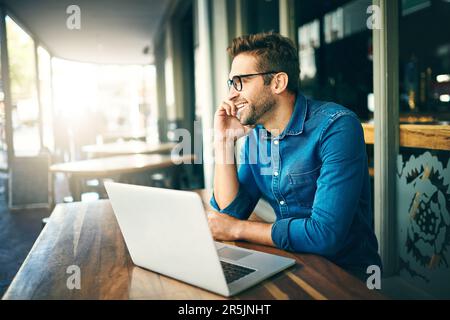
97,91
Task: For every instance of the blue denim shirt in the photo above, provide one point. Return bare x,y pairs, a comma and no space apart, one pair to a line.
317,181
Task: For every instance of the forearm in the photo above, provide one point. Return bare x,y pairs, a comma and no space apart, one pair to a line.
226,183
255,232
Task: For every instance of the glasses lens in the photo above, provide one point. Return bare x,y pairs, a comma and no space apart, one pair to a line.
237,83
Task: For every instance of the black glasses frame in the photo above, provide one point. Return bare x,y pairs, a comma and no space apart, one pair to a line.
236,81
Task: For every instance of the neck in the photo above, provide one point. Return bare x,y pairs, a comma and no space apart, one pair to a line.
277,121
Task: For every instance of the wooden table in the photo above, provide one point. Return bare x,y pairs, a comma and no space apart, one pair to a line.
124,135
114,167
126,148
87,235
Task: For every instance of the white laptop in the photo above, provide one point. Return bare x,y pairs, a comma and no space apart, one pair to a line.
167,231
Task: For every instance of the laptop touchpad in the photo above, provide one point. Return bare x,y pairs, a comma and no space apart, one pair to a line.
233,254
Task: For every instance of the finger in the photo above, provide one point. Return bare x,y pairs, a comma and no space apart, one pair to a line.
233,107
230,109
227,108
221,112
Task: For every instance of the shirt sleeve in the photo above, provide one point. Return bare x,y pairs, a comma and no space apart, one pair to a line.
343,154
248,195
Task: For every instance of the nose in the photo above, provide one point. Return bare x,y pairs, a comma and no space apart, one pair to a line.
233,93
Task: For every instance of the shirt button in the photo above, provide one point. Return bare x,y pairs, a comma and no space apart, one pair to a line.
276,142
282,202
275,173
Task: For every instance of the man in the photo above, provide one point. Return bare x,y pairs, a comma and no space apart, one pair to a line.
316,177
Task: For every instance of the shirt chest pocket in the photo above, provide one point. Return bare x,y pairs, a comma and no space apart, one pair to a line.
303,186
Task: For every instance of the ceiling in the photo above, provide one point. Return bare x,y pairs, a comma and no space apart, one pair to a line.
111,31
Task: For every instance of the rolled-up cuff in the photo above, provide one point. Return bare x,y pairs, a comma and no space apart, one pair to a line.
280,234
238,209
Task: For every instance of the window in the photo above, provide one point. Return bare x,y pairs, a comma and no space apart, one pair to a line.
3,144
95,102
261,16
422,183
24,97
335,49
45,87
424,61
150,103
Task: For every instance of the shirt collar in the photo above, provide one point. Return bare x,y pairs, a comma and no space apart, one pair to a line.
297,122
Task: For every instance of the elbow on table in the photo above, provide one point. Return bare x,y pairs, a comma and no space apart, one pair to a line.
330,237
326,243
329,247
308,236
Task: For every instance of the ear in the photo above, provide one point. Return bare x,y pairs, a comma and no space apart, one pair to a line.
280,82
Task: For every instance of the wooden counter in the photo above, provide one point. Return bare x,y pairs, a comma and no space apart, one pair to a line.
436,137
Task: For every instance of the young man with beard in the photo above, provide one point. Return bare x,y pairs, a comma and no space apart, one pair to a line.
316,179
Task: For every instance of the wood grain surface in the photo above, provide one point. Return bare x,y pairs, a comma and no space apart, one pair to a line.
436,137
87,235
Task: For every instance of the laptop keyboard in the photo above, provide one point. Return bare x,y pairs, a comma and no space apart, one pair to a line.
234,272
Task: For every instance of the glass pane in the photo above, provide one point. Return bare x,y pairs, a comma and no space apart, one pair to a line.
261,16
25,106
150,103
170,89
3,145
100,103
335,48
423,193
424,62
45,85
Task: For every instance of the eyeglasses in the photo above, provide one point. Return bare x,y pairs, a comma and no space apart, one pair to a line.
236,81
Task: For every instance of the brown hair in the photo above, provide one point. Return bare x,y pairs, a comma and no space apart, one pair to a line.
273,53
